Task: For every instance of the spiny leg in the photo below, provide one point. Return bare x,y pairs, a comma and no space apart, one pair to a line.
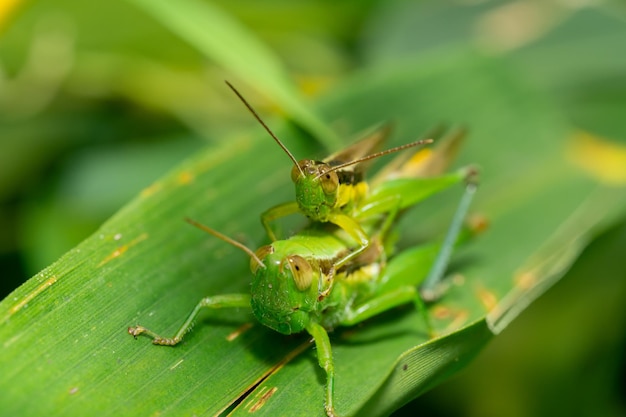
218,301
429,290
405,294
325,360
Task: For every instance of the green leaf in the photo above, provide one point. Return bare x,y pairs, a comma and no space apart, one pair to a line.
231,45
547,47
63,333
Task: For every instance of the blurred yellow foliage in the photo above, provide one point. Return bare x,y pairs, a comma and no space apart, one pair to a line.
603,159
6,8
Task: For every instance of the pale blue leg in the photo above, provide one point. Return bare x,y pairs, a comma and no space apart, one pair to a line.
428,289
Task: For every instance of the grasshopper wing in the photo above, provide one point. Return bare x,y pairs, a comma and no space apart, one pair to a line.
370,143
425,162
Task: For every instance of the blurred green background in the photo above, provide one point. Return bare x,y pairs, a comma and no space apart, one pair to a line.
98,99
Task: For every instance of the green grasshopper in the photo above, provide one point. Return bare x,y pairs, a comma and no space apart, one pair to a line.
304,283
333,190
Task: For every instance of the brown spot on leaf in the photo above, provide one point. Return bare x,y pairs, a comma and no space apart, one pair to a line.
242,329
265,394
120,250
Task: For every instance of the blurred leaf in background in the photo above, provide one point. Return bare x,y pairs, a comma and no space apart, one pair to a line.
100,99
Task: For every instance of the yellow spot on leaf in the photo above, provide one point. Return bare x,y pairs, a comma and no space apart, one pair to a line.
152,189
29,297
525,280
182,178
263,396
441,312
185,177
602,159
487,299
239,331
116,253
478,223
458,279
458,319
122,249
312,86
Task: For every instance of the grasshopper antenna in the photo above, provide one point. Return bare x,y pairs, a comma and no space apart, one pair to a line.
377,154
226,239
256,116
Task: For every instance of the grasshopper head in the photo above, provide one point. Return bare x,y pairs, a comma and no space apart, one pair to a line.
285,292
316,188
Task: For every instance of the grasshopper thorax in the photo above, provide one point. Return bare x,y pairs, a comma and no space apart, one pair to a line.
285,292
317,188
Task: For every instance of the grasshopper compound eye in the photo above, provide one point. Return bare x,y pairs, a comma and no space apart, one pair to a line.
295,173
301,271
305,168
328,180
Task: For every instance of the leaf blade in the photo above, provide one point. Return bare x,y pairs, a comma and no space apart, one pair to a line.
223,39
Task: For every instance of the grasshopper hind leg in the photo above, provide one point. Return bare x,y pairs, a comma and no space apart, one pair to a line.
431,290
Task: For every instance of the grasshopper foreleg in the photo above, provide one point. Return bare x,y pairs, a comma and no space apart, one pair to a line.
325,360
218,301
354,229
276,212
